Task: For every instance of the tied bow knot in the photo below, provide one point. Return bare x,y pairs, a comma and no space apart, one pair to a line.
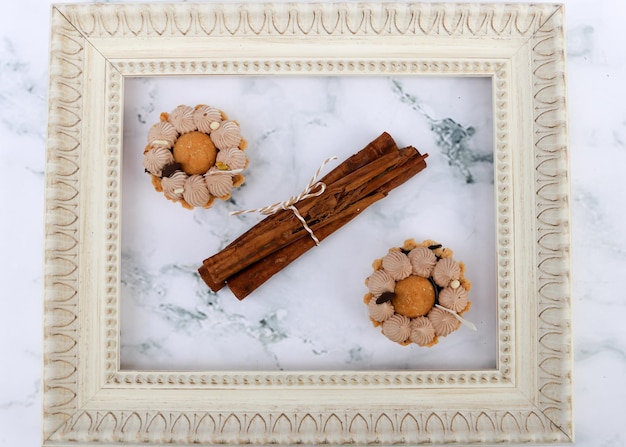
314,188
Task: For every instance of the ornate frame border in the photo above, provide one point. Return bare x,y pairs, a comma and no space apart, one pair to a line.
87,399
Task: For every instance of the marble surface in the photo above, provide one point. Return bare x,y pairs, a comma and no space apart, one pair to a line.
311,315
597,70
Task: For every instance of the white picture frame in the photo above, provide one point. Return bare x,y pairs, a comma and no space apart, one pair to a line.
88,400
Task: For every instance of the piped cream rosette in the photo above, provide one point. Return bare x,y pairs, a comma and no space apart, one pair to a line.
417,293
195,155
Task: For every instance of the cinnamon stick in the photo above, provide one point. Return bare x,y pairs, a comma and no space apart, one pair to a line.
383,144
249,279
349,189
246,281
361,180
256,245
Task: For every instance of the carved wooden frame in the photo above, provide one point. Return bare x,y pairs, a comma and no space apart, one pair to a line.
87,399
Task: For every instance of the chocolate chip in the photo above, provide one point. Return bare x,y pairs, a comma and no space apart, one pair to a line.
435,247
436,287
170,169
387,296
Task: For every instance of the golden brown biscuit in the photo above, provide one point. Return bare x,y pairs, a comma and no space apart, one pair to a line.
238,180
195,152
414,296
377,264
156,182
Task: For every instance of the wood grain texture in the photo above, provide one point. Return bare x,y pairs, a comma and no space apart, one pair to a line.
86,399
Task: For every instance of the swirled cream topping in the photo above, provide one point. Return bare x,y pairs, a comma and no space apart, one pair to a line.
422,331
204,115
162,134
445,271
227,135
397,264
380,312
231,159
218,182
195,191
422,260
174,185
380,282
397,328
156,159
182,119
453,299
443,322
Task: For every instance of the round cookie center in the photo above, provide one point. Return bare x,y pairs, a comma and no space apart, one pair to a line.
195,152
415,296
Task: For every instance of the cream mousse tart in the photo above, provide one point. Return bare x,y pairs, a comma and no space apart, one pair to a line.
195,155
417,293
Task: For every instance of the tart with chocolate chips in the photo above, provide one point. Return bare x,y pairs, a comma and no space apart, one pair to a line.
195,155
417,293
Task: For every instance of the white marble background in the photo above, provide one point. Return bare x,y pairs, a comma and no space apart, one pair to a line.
597,71
311,316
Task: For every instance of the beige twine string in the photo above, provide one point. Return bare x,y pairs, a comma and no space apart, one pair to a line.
289,204
160,142
225,171
469,324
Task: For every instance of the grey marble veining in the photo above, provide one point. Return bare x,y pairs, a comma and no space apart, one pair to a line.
20,92
23,129
597,69
454,140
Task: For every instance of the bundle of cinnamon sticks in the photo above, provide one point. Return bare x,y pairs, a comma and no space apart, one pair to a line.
279,239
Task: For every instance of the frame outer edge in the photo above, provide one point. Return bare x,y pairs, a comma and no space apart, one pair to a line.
307,19
61,231
65,423
553,214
